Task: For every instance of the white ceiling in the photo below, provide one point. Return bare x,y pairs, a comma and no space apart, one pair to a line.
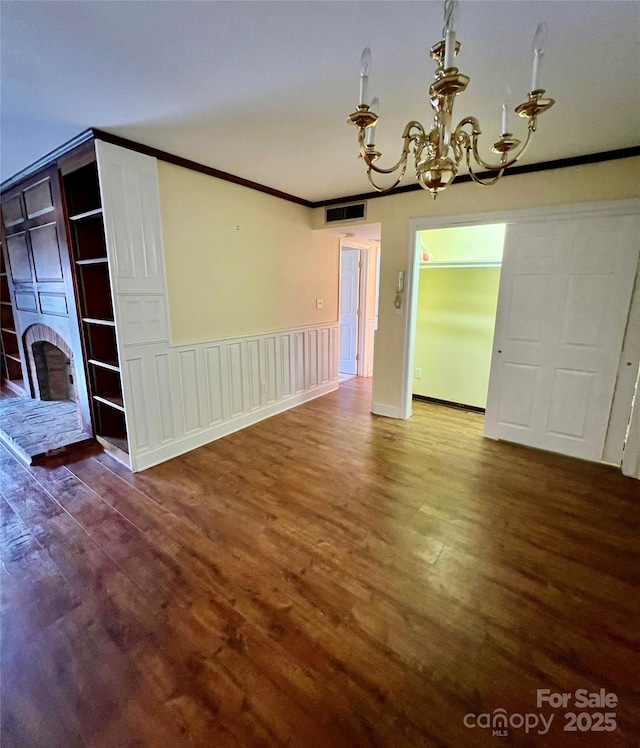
263,89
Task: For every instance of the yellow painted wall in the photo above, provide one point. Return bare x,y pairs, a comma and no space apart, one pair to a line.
240,262
454,333
609,180
372,280
464,244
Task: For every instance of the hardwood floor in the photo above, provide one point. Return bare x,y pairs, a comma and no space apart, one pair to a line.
324,578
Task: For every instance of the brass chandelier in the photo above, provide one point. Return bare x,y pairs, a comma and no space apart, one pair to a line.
438,152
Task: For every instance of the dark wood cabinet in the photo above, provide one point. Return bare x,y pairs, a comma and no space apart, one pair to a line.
38,299
55,275
85,267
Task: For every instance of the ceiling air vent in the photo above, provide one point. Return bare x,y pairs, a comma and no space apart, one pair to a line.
345,212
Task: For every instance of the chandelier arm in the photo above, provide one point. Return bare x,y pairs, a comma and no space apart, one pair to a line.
504,164
463,140
401,163
460,143
410,126
483,182
408,138
461,136
377,188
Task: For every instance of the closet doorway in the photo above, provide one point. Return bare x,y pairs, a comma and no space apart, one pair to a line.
459,278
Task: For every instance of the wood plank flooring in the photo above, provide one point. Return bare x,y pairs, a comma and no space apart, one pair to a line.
324,578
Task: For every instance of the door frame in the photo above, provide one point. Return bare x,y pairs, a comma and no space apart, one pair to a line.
363,342
626,384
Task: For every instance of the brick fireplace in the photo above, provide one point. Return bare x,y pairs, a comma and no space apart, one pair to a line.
51,364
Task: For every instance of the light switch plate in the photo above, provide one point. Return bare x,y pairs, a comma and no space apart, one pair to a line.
319,303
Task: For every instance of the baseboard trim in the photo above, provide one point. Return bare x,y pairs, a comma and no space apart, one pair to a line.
145,460
448,403
388,411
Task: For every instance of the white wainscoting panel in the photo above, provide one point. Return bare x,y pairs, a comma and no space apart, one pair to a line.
137,404
313,358
162,384
286,367
301,361
236,380
189,390
142,318
182,397
214,384
325,351
271,370
255,374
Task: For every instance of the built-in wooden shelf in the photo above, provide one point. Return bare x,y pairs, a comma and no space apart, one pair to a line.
10,346
86,214
10,363
82,194
95,288
88,237
95,261
111,365
112,400
96,321
117,447
16,385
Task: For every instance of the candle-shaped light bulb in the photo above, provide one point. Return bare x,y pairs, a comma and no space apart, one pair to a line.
540,39
365,66
365,61
371,131
506,104
539,42
451,10
449,32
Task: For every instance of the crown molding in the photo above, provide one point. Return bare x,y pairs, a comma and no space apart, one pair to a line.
172,158
562,163
48,160
186,163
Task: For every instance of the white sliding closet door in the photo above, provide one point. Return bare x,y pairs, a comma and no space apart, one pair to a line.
565,293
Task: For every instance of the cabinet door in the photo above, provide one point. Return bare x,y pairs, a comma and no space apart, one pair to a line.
565,293
131,206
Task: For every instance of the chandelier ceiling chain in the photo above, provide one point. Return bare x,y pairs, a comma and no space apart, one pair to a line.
438,152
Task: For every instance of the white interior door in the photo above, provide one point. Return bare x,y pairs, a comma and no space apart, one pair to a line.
565,293
349,282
